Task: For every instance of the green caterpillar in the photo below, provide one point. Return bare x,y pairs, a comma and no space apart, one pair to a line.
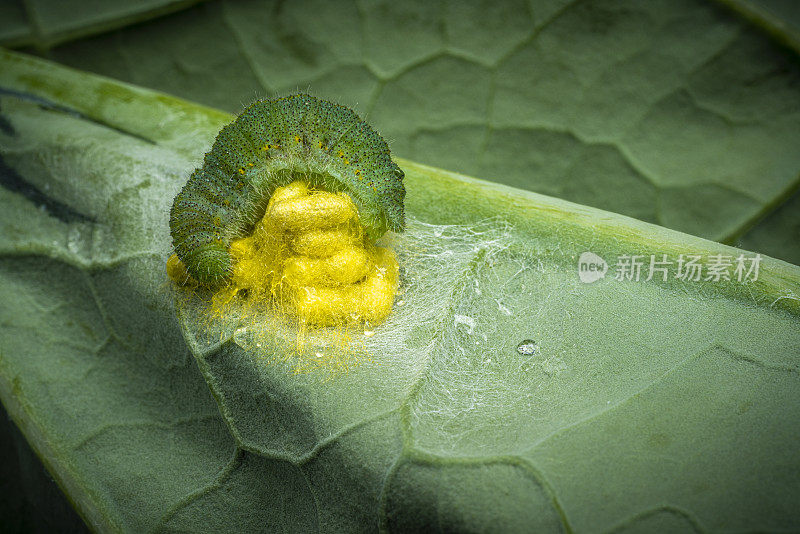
272,143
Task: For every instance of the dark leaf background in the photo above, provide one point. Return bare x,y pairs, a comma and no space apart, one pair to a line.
686,113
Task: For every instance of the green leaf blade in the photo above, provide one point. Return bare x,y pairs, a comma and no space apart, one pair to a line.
647,403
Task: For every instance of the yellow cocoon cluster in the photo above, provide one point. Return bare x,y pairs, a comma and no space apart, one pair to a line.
310,255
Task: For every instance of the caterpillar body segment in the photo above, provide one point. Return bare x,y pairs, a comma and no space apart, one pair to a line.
271,144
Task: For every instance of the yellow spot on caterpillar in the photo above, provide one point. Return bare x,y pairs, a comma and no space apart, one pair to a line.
265,147
296,138
250,164
347,162
241,171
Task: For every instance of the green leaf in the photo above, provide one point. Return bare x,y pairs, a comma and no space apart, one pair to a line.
649,405
93,368
46,23
682,114
779,18
777,233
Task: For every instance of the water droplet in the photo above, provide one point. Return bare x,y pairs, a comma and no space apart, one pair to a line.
318,354
369,333
400,302
528,347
